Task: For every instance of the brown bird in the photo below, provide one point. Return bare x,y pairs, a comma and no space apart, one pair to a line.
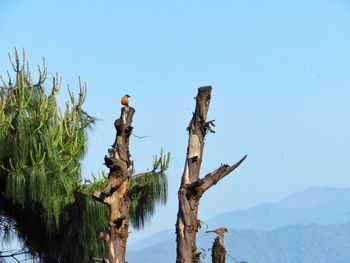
125,100
218,231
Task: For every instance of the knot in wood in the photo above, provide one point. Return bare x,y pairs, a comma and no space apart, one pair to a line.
117,166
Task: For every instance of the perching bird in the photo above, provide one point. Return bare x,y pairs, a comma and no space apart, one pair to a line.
125,100
219,231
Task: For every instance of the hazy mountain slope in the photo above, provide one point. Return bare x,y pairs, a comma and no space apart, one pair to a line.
317,205
290,244
323,206
152,239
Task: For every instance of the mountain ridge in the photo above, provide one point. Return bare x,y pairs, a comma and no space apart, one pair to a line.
321,205
289,244
318,205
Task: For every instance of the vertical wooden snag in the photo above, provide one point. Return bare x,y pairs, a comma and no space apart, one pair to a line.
123,187
115,194
192,186
218,251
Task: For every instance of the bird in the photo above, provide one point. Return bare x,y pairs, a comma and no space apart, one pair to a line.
219,231
125,100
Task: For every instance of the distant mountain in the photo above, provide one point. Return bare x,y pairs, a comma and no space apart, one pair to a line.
152,240
291,244
322,206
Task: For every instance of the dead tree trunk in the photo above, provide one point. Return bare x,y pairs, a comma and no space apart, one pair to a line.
122,186
218,251
116,194
192,186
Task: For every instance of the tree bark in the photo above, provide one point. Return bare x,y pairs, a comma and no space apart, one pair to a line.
116,194
192,187
218,251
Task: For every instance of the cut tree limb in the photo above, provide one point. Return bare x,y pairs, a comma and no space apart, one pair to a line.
212,178
135,189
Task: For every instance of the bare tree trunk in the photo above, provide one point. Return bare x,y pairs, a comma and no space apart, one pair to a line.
116,194
192,187
218,251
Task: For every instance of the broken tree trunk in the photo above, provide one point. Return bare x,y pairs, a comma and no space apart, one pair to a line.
218,251
116,194
192,187
126,193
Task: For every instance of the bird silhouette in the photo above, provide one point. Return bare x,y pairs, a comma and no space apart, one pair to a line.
218,231
125,100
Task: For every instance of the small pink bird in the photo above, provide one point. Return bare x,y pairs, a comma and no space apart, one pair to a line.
218,231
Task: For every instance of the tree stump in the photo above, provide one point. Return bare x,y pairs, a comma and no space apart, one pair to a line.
218,251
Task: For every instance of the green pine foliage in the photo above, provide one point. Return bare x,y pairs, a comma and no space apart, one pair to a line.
154,191
41,147
41,189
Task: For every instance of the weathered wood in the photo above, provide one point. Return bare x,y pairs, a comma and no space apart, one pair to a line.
187,223
218,251
212,178
192,187
124,129
115,194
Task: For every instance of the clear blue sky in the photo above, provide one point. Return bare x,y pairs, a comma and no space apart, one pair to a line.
280,72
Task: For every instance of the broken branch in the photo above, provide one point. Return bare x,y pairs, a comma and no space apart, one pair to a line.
135,189
212,178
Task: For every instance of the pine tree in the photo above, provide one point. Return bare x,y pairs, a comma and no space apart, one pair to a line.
42,195
41,190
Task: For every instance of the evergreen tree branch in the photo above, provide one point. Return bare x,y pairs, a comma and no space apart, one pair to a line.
40,177
13,254
160,165
135,189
